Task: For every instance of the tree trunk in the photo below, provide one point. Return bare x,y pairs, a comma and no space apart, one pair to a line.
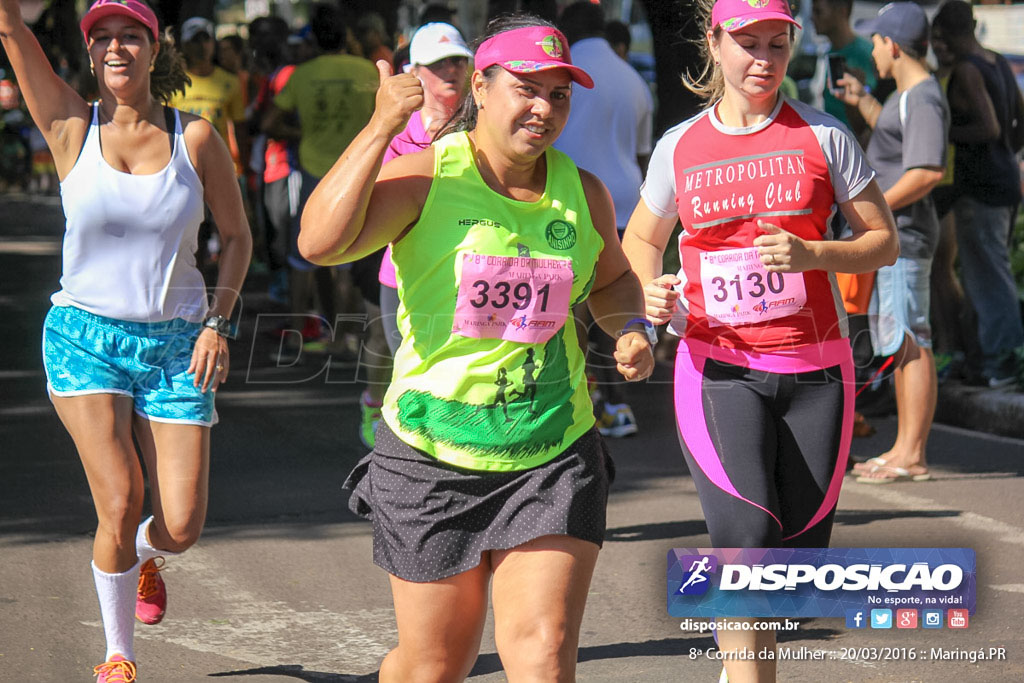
674,28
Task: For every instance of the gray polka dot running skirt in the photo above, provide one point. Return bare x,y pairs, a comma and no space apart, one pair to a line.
432,520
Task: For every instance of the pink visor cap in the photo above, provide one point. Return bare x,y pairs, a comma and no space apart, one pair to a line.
732,15
133,9
528,50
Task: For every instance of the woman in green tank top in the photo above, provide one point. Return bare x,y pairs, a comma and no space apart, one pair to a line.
487,467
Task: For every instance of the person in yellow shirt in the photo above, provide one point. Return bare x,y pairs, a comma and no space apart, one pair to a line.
333,98
333,95
215,93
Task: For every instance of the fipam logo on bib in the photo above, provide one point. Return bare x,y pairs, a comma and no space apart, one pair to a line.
809,582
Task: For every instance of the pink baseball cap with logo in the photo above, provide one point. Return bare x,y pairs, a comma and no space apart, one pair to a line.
528,50
732,15
133,9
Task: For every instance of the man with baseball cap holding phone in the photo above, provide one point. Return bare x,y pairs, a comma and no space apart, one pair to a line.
908,150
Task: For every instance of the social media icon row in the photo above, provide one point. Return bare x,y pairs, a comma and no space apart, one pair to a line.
905,618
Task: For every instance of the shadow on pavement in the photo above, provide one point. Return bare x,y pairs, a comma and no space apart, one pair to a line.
657,531
298,672
490,663
858,517
665,647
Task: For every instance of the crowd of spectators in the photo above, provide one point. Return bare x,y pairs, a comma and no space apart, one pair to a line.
281,144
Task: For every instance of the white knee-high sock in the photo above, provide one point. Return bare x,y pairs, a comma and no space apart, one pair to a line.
143,548
117,607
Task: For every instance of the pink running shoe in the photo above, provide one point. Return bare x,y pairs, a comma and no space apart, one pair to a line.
151,602
116,670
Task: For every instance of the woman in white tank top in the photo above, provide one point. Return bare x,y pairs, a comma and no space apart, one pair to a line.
131,344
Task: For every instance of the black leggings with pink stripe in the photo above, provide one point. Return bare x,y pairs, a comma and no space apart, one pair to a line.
766,449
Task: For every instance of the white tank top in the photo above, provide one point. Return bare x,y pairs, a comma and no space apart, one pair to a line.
130,241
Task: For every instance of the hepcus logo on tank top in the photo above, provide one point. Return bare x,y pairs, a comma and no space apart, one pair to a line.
772,173
560,234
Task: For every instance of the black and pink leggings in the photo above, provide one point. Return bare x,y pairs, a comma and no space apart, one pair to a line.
766,441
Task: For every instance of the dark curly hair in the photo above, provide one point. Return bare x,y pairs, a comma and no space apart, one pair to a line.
169,75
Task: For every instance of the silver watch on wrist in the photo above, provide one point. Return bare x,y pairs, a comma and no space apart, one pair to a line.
220,325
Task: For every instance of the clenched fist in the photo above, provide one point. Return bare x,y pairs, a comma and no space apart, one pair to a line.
634,358
660,297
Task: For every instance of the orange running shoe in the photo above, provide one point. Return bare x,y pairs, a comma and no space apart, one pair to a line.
115,670
151,602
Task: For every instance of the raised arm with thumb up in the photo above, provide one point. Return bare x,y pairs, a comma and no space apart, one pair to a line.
345,201
398,96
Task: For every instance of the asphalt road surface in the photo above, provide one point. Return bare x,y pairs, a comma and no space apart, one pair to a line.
282,588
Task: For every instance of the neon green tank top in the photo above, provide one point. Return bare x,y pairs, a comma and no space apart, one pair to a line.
489,375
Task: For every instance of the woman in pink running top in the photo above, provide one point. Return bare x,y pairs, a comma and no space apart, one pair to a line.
763,379
440,60
133,350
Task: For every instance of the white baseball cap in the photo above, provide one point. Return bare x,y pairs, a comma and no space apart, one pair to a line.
433,42
194,26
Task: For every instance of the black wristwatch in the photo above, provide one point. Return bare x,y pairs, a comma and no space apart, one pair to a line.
220,325
649,330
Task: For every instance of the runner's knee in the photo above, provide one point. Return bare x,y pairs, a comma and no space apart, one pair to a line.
181,534
402,665
542,649
118,514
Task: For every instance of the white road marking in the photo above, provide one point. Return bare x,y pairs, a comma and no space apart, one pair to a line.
269,632
1006,533
36,410
225,399
22,374
282,399
30,246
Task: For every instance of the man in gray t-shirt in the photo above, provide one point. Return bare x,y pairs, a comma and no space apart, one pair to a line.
908,151
910,134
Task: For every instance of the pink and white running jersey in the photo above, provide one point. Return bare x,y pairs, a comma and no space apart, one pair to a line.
792,170
414,138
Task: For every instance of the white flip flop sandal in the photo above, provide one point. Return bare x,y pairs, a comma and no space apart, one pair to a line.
901,474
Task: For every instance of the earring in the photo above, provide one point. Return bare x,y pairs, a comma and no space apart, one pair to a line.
152,67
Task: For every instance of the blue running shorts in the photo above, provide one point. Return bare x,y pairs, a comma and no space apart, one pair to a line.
84,353
900,305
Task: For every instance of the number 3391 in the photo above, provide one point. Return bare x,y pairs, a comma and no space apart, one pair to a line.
502,293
